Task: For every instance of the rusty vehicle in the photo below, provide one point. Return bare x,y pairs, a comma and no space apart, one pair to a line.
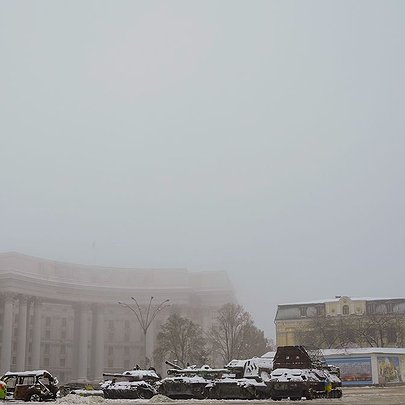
300,373
36,385
131,384
190,382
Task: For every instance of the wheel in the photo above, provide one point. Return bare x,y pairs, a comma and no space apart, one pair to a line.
143,394
35,397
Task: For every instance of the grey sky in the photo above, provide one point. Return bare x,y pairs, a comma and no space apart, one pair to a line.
257,137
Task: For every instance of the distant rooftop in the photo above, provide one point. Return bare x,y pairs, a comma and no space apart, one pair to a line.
14,264
338,298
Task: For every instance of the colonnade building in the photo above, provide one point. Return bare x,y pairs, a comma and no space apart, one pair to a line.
66,318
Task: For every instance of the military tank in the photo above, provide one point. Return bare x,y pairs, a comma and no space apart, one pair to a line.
244,380
298,373
131,384
190,382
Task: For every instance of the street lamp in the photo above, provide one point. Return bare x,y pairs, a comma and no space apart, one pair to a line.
145,318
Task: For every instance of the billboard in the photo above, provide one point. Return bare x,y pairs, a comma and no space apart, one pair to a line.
389,370
353,370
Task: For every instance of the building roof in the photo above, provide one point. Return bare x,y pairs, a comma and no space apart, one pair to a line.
363,351
336,299
36,273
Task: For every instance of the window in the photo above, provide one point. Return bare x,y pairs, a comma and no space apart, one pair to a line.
64,322
371,308
63,334
320,311
46,348
303,311
47,334
63,349
346,310
62,362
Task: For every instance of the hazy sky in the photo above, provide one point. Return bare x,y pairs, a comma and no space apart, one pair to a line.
262,138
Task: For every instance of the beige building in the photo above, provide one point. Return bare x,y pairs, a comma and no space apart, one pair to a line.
66,318
293,320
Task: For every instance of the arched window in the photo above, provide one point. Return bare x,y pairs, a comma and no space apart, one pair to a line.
346,310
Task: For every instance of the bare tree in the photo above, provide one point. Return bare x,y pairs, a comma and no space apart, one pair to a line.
320,332
182,340
372,330
234,335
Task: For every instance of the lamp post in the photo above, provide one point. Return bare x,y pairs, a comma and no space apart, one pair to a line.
145,317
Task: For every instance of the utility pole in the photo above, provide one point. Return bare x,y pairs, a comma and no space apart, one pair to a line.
145,317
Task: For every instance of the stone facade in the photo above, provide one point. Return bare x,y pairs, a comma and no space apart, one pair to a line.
292,320
66,318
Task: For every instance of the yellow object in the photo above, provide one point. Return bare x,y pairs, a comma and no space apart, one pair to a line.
3,390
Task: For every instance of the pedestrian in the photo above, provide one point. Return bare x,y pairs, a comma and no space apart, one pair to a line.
328,387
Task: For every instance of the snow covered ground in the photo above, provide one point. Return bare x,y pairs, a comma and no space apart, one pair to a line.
351,396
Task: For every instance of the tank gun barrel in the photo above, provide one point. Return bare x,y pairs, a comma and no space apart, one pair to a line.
176,366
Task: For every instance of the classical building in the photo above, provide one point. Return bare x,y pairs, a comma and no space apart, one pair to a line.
66,317
383,317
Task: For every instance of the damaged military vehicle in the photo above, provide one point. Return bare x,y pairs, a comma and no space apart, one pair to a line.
189,382
300,373
130,384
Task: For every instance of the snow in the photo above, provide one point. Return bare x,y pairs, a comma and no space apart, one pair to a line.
77,399
191,380
27,373
269,355
119,385
362,350
88,392
160,399
141,374
241,382
293,374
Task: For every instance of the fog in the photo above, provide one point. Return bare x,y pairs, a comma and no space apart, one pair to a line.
261,138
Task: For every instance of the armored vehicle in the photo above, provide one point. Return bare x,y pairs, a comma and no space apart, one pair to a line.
190,382
244,380
36,385
300,373
130,384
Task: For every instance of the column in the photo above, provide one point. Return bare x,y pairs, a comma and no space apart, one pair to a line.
36,334
83,343
75,345
98,339
7,333
22,332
